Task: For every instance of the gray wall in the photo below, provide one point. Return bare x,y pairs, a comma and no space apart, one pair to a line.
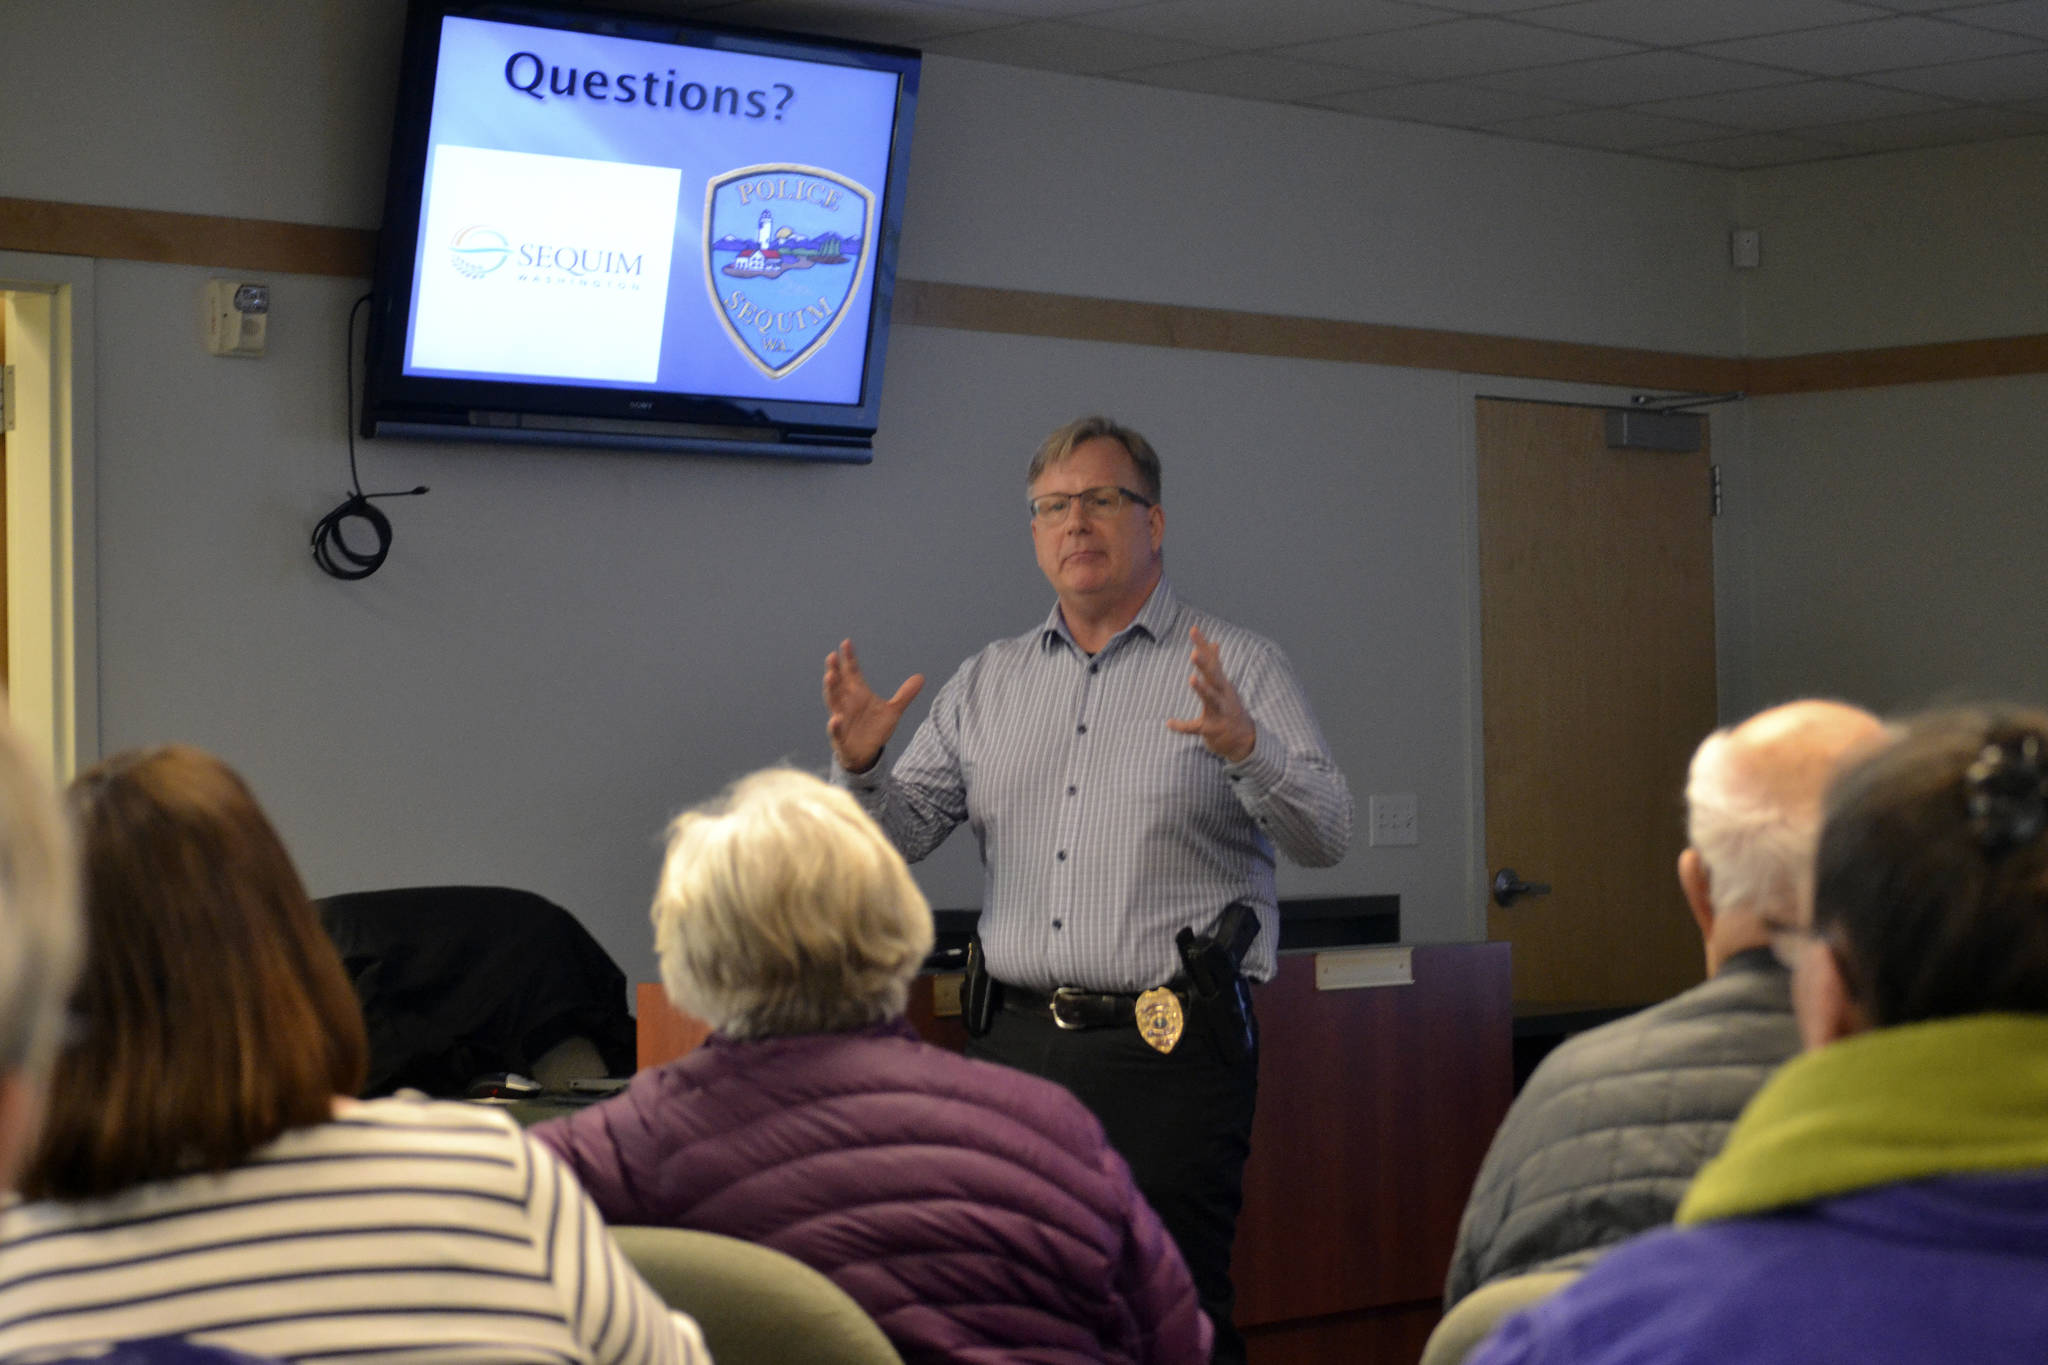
1885,544
1893,540
565,646
1938,245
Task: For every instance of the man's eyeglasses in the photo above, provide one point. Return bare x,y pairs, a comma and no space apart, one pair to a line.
1097,504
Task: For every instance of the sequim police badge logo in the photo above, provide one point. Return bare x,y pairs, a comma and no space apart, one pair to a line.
786,248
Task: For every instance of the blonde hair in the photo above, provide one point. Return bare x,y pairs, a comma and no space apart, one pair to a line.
784,909
1058,446
41,938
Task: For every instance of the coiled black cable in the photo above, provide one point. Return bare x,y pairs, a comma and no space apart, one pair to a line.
331,550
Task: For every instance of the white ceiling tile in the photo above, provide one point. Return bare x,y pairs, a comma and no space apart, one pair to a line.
1067,47
1440,102
1635,78
1999,79
1615,130
2019,16
699,9
905,22
1554,70
1235,24
1799,105
1459,47
1486,6
1676,23
1750,150
1039,9
1937,129
1880,45
1252,76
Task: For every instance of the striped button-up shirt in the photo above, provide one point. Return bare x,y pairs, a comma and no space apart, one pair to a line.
1103,832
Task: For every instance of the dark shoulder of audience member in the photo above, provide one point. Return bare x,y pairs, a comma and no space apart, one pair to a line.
1932,878
215,1014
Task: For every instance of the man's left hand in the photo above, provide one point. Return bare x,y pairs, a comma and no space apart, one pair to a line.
1224,726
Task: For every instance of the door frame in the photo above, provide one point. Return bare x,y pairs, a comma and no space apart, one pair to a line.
58,518
1470,389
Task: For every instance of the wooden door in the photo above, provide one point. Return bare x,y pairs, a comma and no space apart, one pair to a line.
4,310
1597,646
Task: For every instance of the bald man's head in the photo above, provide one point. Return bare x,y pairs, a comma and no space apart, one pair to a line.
1753,810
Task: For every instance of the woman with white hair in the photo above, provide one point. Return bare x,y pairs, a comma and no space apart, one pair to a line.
972,1210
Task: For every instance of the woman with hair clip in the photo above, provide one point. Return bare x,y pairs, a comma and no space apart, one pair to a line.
203,1173
1884,1198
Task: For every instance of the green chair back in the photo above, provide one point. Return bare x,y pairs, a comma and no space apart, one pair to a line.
756,1306
1475,1316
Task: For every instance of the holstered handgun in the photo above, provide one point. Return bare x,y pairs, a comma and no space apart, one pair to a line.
1220,998
981,995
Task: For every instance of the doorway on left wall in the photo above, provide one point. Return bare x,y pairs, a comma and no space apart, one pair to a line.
46,562
7,401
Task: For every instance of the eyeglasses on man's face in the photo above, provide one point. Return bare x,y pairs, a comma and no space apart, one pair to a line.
1096,504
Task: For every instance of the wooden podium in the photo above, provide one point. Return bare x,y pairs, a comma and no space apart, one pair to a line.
1376,1105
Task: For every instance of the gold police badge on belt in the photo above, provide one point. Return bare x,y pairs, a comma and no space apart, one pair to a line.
1160,1018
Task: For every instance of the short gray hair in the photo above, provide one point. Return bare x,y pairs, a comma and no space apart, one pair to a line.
1758,853
41,939
784,909
1061,443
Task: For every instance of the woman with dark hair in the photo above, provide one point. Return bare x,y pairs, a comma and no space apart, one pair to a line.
203,1174
1885,1197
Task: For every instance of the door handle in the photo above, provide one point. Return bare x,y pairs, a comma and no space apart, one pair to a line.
1509,888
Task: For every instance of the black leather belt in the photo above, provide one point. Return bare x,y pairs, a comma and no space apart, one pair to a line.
1073,1008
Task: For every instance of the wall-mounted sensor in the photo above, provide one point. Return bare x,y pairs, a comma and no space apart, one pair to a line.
237,317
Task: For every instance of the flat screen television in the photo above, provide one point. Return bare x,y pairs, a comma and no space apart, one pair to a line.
631,231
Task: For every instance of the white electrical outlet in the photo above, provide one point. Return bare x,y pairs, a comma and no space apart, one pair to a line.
1745,248
1393,820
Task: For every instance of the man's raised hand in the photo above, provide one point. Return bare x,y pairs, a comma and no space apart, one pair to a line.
858,721
1223,724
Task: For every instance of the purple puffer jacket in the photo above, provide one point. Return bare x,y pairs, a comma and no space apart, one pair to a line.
977,1213
1945,1269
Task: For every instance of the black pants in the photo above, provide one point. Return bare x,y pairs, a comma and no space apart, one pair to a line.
1183,1120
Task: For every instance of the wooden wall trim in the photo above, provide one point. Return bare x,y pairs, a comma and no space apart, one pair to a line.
1993,358
239,244
972,308
248,244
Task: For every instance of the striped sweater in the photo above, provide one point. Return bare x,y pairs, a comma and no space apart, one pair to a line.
401,1231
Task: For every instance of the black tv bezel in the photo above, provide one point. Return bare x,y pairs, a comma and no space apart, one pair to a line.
396,404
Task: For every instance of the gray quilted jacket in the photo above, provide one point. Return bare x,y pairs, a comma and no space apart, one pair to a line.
1605,1137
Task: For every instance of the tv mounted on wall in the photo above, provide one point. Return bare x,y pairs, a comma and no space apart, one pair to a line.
629,231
